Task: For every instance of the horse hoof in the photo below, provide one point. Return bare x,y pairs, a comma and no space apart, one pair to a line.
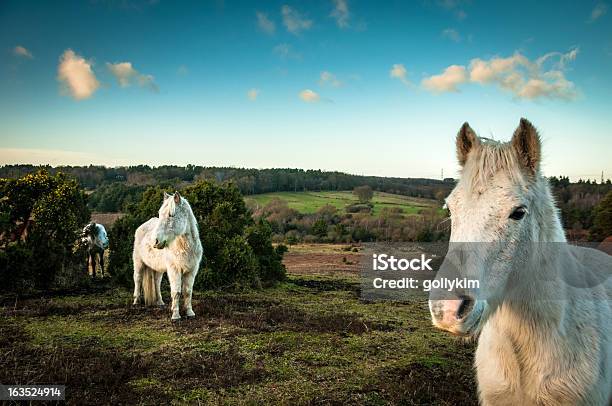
176,320
193,316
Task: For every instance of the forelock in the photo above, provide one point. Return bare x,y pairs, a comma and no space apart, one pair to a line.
489,158
168,207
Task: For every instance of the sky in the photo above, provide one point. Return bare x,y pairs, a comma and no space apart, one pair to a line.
364,87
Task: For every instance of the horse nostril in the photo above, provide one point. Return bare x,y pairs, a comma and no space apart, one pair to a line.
466,306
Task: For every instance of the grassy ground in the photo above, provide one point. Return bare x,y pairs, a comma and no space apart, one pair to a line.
310,202
308,340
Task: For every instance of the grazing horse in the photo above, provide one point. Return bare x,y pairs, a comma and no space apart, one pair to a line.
94,235
542,312
168,243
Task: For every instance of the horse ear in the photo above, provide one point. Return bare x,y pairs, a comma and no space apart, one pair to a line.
177,198
466,141
527,145
166,195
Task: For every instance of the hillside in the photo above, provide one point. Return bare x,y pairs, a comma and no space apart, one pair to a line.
310,202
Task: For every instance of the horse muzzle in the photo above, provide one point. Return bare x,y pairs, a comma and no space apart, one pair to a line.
459,316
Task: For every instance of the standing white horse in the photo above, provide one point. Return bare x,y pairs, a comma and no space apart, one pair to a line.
543,310
170,243
94,235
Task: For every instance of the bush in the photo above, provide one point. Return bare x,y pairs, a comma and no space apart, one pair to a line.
42,219
238,252
359,208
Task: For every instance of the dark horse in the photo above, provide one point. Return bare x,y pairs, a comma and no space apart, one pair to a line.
94,235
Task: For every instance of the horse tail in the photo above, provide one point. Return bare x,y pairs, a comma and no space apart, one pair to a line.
148,286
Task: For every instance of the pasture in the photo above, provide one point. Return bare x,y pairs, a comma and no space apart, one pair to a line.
310,202
308,340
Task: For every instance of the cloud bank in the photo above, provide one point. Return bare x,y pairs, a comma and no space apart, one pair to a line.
294,21
399,72
22,52
543,77
341,13
264,23
75,74
252,94
328,78
126,75
309,96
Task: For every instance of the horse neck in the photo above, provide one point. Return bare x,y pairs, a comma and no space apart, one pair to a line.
535,298
191,236
546,214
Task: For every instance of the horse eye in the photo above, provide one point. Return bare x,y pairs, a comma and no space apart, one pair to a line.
518,213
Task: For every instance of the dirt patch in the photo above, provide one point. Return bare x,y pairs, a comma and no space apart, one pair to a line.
425,384
266,316
202,369
327,263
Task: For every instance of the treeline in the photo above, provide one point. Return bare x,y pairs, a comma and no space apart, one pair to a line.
248,181
580,203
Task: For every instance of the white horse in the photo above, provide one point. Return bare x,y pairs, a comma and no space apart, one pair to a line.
170,243
543,311
94,235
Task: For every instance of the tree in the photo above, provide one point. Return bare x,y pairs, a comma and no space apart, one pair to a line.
363,193
602,222
42,219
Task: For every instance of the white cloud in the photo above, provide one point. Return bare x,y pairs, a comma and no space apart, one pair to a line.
451,34
294,21
75,73
309,96
454,6
264,23
328,78
447,81
182,70
598,11
285,51
252,94
125,74
525,79
341,13
22,52
398,71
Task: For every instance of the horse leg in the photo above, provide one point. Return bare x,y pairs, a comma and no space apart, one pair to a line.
187,291
138,271
158,281
92,261
102,263
175,290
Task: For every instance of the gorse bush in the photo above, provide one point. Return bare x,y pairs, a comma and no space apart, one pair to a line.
42,216
238,251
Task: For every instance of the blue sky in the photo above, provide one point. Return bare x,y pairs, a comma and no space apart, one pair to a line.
363,87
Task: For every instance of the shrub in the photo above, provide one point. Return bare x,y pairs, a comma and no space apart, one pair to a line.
42,218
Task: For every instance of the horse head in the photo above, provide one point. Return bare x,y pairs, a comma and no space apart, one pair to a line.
498,205
173,220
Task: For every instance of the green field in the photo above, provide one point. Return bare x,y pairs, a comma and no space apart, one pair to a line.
310,202
310,340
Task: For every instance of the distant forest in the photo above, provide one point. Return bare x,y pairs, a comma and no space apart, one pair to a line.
115,189
249,181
